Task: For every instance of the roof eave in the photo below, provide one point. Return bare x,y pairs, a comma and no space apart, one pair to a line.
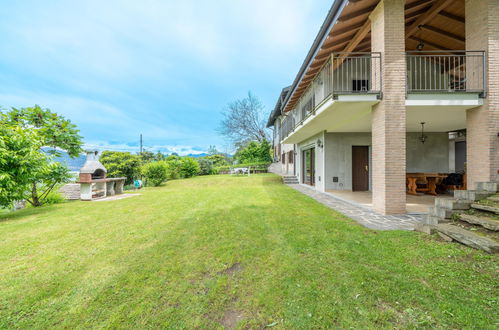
331,19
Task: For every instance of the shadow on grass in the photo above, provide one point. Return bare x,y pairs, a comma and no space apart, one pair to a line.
15,215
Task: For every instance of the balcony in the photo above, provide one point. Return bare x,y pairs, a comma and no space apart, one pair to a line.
345,77
340,97
435,72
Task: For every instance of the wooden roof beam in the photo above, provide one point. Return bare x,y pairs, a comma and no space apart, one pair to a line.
416,4
410,16
347,29
443,33
452,16
429,43
356,40
357,13
428,16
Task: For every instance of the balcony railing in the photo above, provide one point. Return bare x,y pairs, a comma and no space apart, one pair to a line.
287,125
445,71
356,73
343,73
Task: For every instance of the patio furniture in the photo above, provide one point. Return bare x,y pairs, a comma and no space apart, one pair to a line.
240,171
424,182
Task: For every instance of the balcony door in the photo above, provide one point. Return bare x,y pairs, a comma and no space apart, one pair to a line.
308,160
360,168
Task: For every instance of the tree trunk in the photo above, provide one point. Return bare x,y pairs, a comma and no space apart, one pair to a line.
35,201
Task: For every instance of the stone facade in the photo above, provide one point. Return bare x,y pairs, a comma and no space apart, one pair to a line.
389,116
482,31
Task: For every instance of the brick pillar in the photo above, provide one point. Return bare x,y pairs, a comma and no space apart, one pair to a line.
482,123
389,116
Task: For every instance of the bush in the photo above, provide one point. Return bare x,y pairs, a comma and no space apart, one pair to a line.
53,197
189,167
155,173
173,164
121,164
205,166
254,152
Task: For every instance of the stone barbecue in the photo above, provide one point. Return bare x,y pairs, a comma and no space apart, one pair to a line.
93,181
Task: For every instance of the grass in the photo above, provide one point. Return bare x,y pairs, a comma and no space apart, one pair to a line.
236,252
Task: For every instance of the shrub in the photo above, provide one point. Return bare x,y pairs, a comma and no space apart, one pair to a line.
189,167
121,164
173,164
254,151
53,197
205,166
155,173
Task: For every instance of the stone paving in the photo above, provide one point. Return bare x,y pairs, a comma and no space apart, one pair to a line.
364,216
115,197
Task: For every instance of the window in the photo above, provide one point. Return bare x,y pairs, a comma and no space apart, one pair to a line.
290,157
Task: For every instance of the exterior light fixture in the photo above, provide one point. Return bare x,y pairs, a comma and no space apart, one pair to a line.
423,137
420,46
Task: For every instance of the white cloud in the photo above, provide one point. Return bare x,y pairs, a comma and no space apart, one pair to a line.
181,150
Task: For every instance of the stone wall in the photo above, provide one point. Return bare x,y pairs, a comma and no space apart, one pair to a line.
70,191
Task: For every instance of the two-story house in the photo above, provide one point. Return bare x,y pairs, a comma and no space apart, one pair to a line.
284,154
393,89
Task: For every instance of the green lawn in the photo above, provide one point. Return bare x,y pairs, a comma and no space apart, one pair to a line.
233,251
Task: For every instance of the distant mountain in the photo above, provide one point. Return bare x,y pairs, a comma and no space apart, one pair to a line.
197,155
204,154
74,164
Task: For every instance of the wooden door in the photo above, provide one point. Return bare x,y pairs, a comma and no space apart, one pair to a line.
360,168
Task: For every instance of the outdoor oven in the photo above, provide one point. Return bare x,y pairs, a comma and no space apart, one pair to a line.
93,180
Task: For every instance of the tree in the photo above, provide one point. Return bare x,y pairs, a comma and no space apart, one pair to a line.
159,156
146,156
20,160
205,166
189,167
155,173
243,121
26,172
121,164
174,165
254,152
53,130
217,160
47,178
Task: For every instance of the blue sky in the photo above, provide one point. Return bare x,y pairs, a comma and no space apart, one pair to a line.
163,68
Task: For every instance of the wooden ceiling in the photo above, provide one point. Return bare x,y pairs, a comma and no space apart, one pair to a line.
437,24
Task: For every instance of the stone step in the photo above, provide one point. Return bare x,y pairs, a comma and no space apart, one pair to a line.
468,238
440,212
486,222
289,179
452,204
471,195
488,186
486,208
493,198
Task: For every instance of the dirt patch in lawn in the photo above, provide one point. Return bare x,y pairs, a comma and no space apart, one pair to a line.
232,270
231,318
